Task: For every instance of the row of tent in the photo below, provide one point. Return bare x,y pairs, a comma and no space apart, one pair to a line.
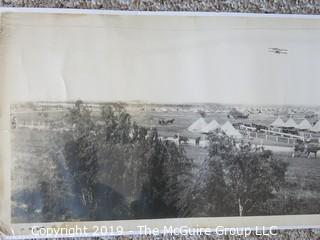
304,125
201,126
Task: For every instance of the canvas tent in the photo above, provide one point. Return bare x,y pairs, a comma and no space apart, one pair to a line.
213,125
316,127
229,129
278,123
198,125
304,125
290,123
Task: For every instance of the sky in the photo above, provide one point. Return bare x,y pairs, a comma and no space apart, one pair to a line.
162,59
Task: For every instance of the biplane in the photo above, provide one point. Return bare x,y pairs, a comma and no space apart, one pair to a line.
278,50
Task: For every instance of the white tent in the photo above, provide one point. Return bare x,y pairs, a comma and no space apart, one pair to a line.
230,130
304,125
213,125
290,123
316,127
198,125
278,123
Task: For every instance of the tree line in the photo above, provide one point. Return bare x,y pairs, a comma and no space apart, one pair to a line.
109,167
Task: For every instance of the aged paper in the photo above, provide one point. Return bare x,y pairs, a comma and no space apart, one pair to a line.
202,121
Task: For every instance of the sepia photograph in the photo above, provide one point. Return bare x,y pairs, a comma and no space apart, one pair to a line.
153,117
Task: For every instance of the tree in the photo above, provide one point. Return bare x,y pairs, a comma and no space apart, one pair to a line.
180,178
140,164
249,176
81,153
151,203
164,168
135,162
116,124
120,148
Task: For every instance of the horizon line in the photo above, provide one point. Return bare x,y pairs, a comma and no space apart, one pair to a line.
163,103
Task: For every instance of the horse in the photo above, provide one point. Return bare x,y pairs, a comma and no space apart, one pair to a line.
170,121
198,141
166,122
312,148
162,122
299,147
308,148
183,139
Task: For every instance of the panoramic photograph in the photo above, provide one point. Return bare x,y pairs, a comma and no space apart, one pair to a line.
163,117
134,160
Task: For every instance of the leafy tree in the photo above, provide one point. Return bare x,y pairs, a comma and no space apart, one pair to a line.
210,196
117,124
152,202
110,203
120,148
140,164
180,178
245,177
135,161
81,154
166,169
